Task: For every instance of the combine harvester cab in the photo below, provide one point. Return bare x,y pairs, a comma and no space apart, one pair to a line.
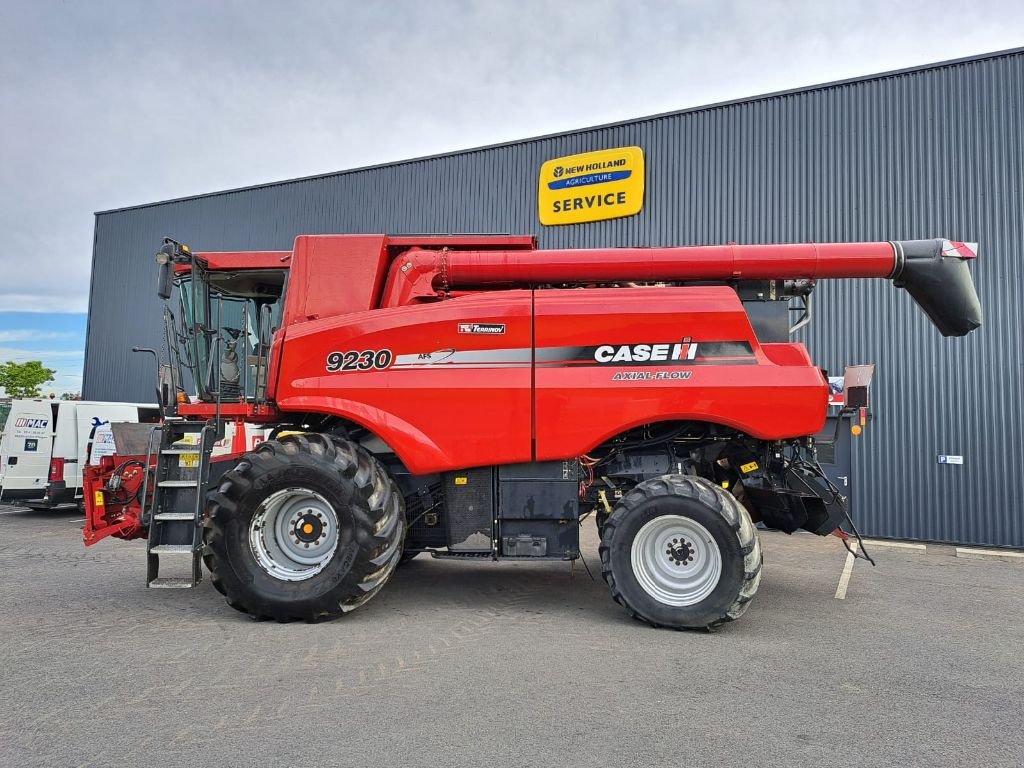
472,397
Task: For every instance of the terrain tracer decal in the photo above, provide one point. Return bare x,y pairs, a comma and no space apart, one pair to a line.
486,329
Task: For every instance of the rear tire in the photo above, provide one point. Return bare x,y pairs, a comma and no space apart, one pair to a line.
307,527
678,551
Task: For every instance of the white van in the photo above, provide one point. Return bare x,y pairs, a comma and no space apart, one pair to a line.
43,446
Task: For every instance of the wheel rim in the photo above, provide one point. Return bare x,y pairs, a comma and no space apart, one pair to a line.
294,534
676,560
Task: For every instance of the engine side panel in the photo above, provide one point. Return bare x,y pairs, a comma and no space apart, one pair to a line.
445,385
611,359
450,385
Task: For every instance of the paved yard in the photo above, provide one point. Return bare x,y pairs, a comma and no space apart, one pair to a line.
518,664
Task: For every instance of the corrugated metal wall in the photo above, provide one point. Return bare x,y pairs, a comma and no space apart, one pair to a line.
922,153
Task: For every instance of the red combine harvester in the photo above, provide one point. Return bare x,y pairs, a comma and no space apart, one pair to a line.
476,398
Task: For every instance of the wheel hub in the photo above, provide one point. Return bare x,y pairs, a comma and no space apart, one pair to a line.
679,551
309,529
294,534
676,560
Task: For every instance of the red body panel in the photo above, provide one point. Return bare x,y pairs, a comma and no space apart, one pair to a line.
334,274
578,407
232,260
465,385
446,400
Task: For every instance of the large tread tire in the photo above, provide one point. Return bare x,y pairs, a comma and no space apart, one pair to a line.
371,521
409,557
715,509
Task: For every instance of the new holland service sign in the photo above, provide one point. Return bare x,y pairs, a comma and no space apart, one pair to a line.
593,186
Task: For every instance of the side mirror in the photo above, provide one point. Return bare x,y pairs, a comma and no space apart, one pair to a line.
856,385
165,274
170,253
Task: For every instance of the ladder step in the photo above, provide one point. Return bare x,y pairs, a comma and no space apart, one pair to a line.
171,583
167,516
178,484
185,426
173,549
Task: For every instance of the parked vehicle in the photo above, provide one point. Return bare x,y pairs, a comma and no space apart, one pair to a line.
473,397
43,447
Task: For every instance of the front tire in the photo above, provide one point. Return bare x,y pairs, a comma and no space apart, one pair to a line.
307,527
678,551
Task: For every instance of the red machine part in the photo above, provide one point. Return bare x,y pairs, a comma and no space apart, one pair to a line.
113,507
518,375
373,333
420,273
707,262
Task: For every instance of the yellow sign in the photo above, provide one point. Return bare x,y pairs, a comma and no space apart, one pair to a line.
606,184
747,468
188,460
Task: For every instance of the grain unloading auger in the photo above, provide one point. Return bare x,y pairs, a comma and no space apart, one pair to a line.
476,398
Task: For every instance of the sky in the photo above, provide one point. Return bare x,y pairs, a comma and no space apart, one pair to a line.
110,103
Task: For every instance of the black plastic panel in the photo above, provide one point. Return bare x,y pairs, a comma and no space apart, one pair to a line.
563,539
539,491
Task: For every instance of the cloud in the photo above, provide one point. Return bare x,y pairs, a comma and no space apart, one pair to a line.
62,300
32,334
21,355
100,113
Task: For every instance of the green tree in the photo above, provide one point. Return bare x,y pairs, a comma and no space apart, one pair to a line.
24,379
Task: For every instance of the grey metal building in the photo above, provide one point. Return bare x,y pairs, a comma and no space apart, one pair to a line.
924,152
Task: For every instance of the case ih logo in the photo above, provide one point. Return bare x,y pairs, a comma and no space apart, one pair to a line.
682,351
485,328
31,423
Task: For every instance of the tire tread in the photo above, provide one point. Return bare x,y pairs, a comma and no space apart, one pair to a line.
380,523
711,496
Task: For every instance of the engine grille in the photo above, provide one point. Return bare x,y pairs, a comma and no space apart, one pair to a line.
469,509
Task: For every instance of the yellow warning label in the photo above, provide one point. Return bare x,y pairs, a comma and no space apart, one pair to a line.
461,480
98,499
750,467
188,460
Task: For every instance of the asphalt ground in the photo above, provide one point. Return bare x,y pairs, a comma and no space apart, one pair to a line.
511,664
